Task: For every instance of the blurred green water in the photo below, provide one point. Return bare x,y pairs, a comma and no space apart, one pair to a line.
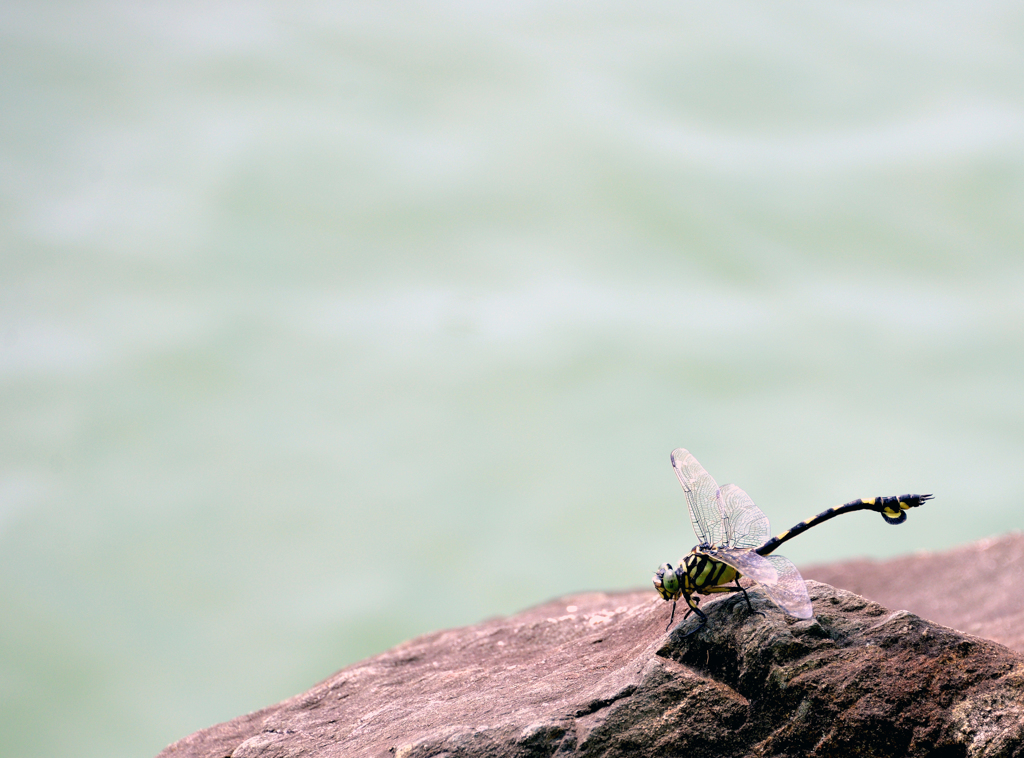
325,326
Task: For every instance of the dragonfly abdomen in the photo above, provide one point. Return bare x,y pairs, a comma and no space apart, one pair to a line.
893,510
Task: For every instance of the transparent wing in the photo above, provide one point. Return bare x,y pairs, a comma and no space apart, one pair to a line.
747,526
790,591
702,498
748,563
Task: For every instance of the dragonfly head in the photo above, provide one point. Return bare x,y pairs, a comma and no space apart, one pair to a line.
666,582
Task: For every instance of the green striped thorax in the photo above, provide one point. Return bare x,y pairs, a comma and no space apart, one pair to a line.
696,570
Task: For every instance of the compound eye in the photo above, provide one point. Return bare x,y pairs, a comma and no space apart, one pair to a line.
666,581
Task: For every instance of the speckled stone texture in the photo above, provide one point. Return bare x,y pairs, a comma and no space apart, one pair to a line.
597,675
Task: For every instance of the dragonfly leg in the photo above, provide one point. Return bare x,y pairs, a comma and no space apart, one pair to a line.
691,608
703,621
692,602
747,598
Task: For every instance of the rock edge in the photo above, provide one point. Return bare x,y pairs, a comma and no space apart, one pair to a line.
597,675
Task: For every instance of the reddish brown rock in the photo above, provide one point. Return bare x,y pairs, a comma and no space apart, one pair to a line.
977,588
597,675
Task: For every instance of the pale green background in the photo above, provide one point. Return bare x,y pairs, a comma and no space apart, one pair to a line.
324,325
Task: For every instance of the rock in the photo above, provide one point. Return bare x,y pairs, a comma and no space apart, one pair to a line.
597,675
976,588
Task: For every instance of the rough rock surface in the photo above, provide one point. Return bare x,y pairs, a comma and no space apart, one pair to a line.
977,588
597,675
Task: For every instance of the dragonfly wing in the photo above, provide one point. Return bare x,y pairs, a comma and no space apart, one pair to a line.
748,563
790,591
702,498
748,526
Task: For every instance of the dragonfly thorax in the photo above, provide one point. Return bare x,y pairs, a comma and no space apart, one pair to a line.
703,570
697,571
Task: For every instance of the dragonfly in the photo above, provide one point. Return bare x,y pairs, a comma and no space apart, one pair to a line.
732,542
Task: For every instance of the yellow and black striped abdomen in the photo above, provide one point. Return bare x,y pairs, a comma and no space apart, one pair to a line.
893,510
